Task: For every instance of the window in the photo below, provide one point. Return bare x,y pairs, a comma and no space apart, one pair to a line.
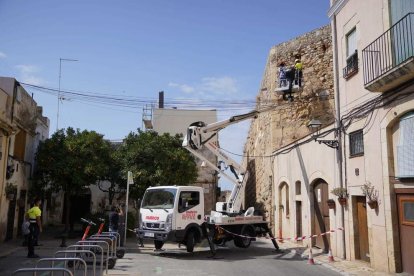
356,143
287,201
407,211
351,55
298,187
405,147
162,198
351,43
188,200
20,145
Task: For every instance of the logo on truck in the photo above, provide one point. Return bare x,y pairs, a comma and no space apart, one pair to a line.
189,215
152,218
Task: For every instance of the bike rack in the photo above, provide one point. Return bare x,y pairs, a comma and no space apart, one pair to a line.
87,247
85,267
109,240
65,252
120,251
47,269
89,242
118,236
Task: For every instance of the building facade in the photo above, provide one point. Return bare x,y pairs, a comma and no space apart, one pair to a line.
374,82
22,127
364,145
279,180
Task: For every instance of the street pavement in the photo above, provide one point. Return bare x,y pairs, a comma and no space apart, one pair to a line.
259,259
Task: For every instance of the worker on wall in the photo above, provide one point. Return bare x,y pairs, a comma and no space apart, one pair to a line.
298,72
282,75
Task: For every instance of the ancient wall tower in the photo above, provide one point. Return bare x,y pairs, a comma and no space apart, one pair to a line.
287,122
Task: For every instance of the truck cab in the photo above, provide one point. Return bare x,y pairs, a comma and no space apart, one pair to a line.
172,213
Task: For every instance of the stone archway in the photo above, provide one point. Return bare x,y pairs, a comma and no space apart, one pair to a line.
284,210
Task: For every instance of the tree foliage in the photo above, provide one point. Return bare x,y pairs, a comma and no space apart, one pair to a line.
113,181
70,161
156,160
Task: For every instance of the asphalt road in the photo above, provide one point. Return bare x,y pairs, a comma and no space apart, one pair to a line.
259,259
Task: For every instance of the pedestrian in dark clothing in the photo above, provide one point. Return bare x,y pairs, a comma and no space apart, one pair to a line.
35,227
121,223
113,220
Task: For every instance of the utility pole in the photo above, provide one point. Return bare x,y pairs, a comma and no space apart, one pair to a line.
130,181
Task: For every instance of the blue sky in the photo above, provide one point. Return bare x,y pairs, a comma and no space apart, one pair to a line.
210,51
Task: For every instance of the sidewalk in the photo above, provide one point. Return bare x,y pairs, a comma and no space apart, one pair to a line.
13,255
344,267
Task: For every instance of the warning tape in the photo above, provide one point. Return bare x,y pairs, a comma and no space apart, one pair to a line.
285,239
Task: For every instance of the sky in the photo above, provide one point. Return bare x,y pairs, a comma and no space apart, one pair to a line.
202,54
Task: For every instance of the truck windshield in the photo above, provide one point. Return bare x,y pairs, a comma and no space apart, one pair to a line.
159,199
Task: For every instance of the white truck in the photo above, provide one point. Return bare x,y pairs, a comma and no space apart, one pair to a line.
176,213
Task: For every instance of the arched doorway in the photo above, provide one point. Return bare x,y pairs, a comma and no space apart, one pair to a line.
284,209
320,214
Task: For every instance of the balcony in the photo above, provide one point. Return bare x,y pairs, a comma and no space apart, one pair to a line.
351,66
388,61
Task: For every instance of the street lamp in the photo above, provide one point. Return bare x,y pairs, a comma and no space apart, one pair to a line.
58,98
314,126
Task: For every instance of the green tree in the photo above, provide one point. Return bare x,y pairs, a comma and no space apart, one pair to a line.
113,175
70,161
156,160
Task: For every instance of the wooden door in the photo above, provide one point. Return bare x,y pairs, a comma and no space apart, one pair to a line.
10,219
321,215
406,225
361,236
299,219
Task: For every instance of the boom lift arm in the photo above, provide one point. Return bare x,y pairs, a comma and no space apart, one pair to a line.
200,136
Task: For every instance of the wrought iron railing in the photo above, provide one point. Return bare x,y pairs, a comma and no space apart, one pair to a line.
351,67
389,50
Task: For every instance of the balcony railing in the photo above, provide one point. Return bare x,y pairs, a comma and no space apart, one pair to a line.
391,49
351,65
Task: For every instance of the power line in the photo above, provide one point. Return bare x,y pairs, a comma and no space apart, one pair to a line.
133,101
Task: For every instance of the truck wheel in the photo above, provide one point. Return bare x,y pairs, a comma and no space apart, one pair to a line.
241,242
190,242
158,244
120,253
111,263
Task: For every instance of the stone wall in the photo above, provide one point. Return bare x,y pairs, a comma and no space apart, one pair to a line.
287,121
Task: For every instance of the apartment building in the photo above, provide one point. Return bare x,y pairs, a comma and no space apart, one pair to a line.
374,85
22,127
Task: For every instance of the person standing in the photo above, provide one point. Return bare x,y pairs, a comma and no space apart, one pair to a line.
113,220
282,75
121,223
34,214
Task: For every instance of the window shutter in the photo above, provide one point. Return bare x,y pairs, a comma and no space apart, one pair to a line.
405,147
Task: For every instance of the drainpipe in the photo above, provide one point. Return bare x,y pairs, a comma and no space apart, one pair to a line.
339,158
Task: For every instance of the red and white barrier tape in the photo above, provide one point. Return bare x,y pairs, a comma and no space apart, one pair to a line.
286,239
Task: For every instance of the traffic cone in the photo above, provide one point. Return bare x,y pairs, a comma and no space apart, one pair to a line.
310,259
330,257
